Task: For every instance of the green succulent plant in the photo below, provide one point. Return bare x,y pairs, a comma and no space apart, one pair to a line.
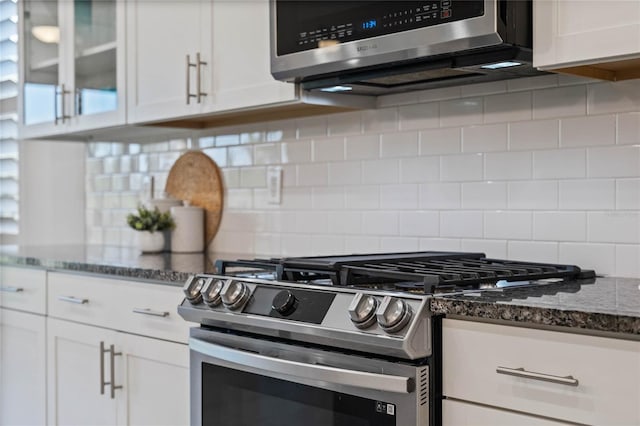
150,220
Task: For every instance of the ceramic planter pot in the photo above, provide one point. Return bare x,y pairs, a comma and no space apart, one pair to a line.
150,242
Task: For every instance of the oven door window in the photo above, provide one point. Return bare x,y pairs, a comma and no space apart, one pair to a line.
235,398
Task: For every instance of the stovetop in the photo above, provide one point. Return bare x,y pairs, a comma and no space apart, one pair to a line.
374,303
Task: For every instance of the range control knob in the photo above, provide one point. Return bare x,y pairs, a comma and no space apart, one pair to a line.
234,294
362,310
192,289
393,314
284,302
211,292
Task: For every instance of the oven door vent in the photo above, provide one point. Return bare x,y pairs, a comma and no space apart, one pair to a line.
423,387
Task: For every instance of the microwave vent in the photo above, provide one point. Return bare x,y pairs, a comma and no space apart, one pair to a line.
418,77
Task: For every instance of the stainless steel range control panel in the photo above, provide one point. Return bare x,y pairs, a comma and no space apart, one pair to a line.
386,323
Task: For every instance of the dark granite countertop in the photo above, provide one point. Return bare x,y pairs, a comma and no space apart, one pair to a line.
601,304
124,262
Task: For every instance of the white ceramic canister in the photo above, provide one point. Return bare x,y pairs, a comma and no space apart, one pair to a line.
188,235
163,204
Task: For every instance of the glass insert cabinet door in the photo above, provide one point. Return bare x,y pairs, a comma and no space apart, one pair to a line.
70,59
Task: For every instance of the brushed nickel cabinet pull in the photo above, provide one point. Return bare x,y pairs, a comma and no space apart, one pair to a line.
189,65
71,299
199,63
102,382
112,357
11,289
147,311
521,372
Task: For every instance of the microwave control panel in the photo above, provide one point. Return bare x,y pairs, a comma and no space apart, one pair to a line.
306,25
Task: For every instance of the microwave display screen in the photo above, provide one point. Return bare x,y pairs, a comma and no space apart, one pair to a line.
307,25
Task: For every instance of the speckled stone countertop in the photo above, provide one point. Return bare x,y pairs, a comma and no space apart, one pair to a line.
601,304
168,268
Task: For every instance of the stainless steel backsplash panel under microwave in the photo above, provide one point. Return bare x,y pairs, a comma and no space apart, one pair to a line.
380,47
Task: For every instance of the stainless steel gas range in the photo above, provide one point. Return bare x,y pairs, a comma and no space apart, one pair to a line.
335,340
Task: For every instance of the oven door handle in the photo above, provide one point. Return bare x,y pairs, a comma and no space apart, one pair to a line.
252,362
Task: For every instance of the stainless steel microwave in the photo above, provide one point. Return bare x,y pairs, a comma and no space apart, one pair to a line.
381,46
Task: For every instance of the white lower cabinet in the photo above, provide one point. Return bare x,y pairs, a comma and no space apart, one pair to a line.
22,368
140,381
458,413
569,377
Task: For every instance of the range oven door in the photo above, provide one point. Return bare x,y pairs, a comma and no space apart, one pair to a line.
241,381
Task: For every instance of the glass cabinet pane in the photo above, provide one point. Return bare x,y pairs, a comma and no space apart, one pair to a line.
95,56
41,60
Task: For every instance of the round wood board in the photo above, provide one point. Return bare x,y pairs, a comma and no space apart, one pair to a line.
196,178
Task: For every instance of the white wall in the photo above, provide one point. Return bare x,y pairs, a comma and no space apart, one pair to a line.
544,169
52,192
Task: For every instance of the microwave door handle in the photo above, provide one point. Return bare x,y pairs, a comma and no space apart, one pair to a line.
252,362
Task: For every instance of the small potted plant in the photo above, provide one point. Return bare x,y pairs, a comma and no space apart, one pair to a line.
151,224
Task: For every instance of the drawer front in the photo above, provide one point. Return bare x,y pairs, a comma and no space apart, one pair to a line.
24,289
152,310
458,413
140,308
606,370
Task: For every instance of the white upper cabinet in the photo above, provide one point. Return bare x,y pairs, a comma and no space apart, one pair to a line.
72,66
199,57
599,39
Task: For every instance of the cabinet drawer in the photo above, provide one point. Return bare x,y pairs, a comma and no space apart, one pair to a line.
458,413
141,308
606,370
24,289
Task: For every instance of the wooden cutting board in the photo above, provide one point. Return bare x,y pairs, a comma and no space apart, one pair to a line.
196,178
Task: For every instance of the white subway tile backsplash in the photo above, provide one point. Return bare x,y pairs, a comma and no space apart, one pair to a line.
295,152
399,244
440,196
419,169
312,127
461,224
380,120
399,197
399,145
420,223
587,194
542,169
458,168
328,149
559,164
362,197
559,102
598,257
629,128
266,153
532,135
533,195
496,249
533,251
328,197
440,141
460,112
618,161
628,194
627,261
345,124
603,98
380,171
484,195
363,147
313,174
380,223
588,131
508,166
420,116
560,226
492,137
614,227
507,107
345,173
508,225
